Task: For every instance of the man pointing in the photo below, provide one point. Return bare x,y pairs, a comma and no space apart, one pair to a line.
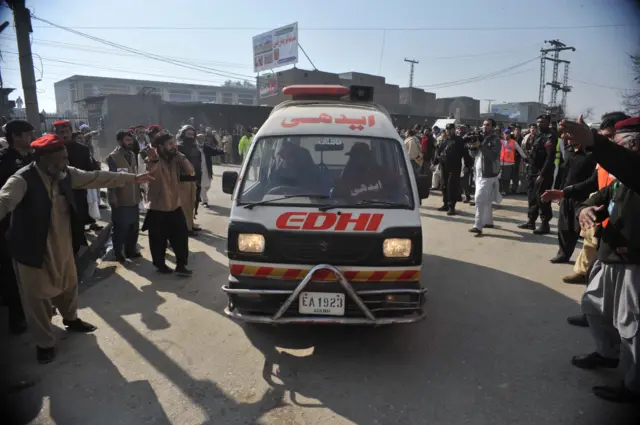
45,227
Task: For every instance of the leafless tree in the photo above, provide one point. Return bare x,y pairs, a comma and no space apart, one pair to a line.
631,99
587,113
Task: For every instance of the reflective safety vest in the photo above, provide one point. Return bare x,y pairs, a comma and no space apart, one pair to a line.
604,179
508,152
558,153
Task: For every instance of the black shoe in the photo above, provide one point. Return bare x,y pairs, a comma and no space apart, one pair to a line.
544,229
451,211
559,259
134,255
120,259
527,226
466,200
164,269
575,278
17,326
472,203
183,271
475,230
618,394
205,204
578,320
594,361
102,207
78,326
443,208
45,355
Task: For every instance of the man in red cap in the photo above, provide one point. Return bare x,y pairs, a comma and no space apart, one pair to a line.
44,230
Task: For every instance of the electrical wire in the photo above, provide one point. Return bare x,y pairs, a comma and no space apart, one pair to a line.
150,55
402,29
600,85
86,65
478,77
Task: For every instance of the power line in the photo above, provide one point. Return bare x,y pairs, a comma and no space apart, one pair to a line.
149,55
401,29
478,77
115,52
87,65
600,85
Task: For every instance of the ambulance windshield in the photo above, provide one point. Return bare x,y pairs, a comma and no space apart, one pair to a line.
344,171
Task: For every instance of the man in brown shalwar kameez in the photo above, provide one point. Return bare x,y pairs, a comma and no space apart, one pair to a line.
44,228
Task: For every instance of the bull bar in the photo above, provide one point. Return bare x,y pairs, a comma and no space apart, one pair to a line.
278,318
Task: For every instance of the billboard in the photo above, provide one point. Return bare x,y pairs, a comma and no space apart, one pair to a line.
511,110
268,85
275,48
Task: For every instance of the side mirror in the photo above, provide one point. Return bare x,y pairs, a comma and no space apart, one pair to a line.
229,180
424,185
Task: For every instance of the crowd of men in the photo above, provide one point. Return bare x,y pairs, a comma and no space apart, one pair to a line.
45,203
593,174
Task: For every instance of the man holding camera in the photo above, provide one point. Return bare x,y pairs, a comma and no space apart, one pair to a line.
486,150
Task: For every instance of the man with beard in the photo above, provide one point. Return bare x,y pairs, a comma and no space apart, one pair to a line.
16,155
165,218
611,299
124,200
450,154
540,177
44,231
190,185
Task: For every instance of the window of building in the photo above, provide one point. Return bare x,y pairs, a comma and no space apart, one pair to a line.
179,96
227,98
208,97
245,99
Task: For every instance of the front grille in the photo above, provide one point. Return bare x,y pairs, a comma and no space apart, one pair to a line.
324,248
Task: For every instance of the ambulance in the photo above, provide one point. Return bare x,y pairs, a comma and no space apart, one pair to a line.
325,221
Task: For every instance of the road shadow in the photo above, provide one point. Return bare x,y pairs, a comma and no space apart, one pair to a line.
81,365
494,348
218,210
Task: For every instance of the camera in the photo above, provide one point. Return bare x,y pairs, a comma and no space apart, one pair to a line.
472,137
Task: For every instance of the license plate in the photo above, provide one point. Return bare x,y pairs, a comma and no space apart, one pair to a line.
323,303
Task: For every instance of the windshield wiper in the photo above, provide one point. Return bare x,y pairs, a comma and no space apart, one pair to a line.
299,195
363,202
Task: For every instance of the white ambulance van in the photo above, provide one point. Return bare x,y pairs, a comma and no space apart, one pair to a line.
325,223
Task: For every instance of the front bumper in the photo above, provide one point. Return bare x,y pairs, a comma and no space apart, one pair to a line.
275,301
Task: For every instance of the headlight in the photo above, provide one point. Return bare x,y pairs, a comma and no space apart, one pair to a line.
396,248
251,242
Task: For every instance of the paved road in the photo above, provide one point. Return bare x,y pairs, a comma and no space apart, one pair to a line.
494,348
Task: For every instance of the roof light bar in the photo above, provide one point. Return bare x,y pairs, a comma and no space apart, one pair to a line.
315,90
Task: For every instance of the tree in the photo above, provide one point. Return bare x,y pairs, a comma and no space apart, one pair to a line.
587,113
631,100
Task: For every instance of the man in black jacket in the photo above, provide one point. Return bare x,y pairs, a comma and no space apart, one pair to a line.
540,177
449,154
579,183
80,158
19,135
611,300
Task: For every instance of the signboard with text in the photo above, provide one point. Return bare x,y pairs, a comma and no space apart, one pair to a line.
268,84
275,48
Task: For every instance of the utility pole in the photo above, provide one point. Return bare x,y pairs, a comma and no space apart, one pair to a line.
489,106
22,20
413,62
557,47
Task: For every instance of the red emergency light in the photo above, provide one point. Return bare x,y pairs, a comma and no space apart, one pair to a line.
315,91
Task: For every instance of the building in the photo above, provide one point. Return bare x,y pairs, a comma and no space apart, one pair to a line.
77,87
523,112
461,107
397,100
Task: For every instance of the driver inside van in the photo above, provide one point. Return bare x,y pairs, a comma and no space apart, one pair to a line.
363,178
295,168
